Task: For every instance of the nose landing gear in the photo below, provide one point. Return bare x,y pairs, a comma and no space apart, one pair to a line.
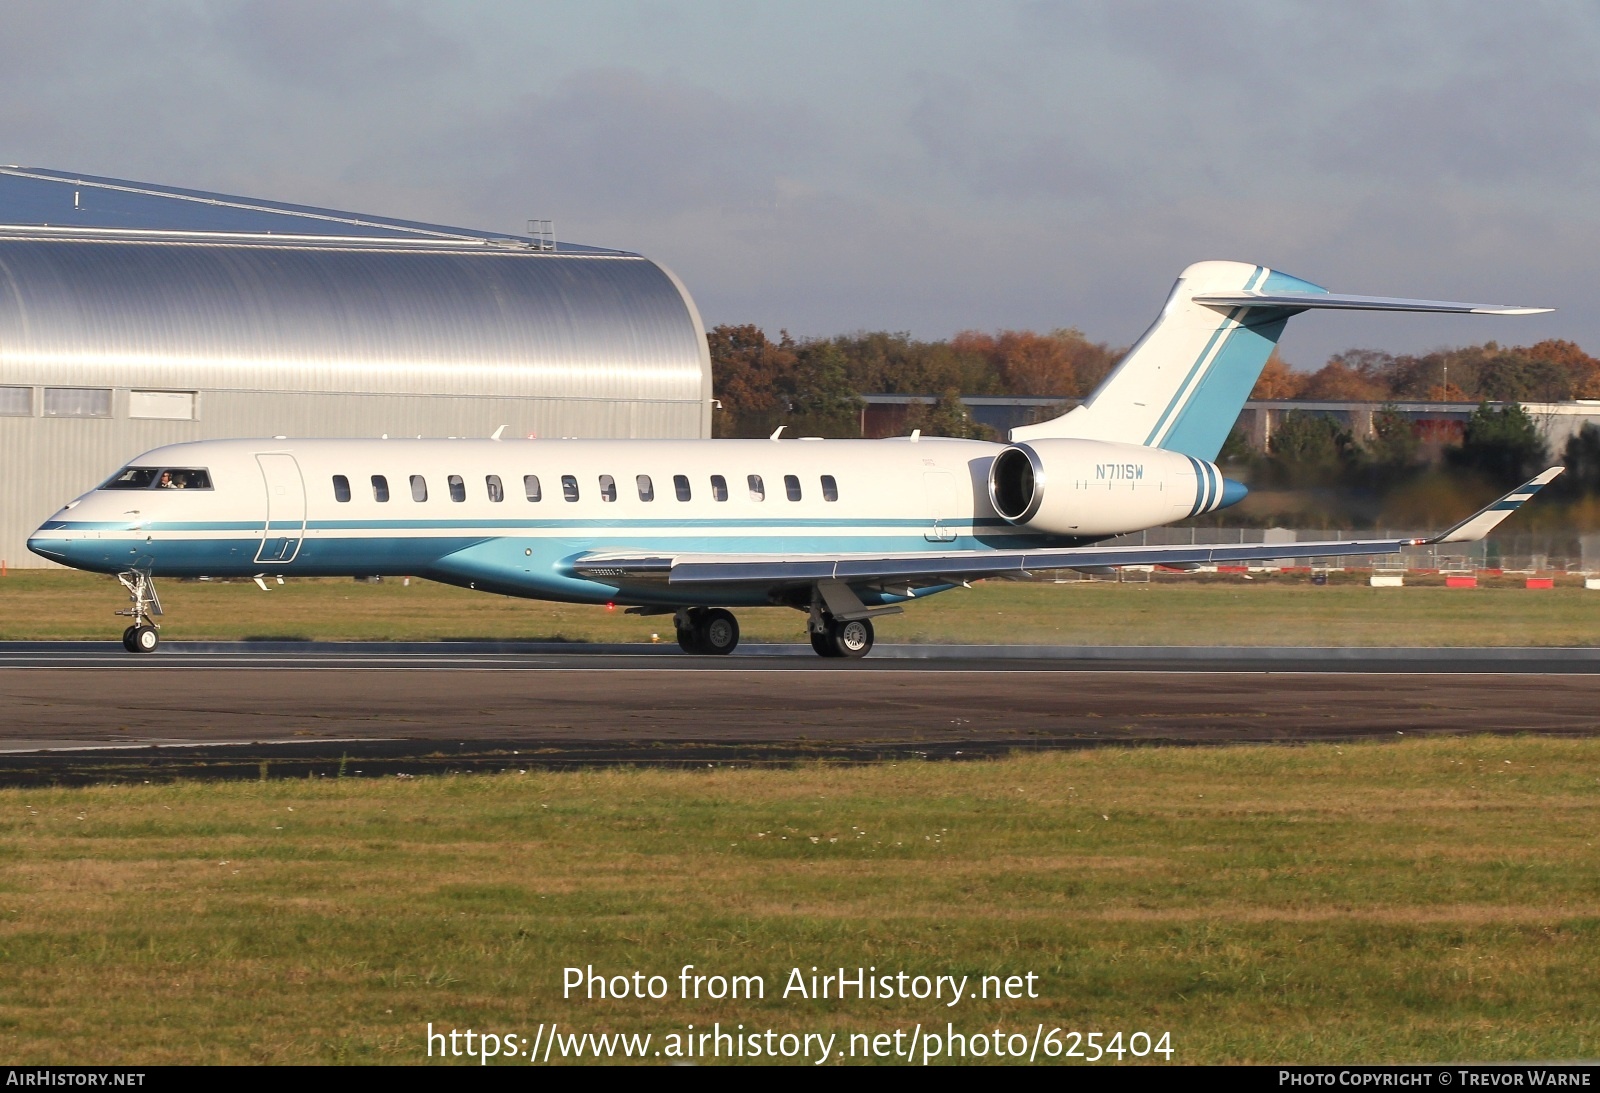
142,636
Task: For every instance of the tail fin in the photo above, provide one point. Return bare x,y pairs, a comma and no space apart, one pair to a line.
1183,383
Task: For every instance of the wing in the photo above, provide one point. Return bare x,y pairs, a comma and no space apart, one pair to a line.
953,567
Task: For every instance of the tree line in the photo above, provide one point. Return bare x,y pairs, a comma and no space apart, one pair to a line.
814,385
1548,371
1314,471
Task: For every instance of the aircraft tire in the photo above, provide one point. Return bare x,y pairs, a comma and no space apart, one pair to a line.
689,641
717,632
822,644
127,639
851,639
145,639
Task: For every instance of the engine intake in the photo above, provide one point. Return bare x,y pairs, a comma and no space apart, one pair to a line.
1016,483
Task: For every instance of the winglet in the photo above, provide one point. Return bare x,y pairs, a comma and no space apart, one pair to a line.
1486,519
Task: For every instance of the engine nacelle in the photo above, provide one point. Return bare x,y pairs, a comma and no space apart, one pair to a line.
1098,488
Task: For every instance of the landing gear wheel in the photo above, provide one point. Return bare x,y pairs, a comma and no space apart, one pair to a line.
688,640
141,637
851,639
822,645
717,632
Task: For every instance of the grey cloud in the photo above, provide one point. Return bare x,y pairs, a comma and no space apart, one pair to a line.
1257,95
336,46
959,128
618,140
1516,106
1022,166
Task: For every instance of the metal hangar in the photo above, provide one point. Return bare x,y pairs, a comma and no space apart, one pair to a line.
134,315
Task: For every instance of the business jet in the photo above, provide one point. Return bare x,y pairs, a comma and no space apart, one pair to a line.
844,531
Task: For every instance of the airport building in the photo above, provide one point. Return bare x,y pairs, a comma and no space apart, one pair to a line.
133,316
1432,422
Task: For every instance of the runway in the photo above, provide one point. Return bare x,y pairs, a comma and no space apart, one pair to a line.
77,711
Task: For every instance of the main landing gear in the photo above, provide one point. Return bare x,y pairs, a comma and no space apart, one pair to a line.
843,639
707,630
713,631
838,624
142,636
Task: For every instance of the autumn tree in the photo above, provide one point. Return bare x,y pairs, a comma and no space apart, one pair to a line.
1582,371
1277,380
1063,362
1338,381
748,375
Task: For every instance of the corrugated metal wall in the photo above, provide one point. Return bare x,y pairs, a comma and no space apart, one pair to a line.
49,461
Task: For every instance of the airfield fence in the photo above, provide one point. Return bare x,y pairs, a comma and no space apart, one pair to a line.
1522,552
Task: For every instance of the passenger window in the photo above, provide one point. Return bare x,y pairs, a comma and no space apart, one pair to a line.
680,484
530,486
608,488
758,488
791,485
341,488
458,488
830,488
497,492
419,488
719,487
569,487
647,488
380,488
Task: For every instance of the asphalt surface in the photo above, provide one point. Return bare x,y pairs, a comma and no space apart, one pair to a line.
90,711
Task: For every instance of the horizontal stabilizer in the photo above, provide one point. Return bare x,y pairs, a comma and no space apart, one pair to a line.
1341,302
1181,386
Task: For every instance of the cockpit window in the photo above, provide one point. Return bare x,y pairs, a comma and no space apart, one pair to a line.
160,478
133,478
175,478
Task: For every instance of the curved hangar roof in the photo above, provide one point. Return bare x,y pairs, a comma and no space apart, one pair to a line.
105,282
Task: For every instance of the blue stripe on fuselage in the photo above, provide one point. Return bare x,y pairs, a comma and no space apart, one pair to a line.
536,566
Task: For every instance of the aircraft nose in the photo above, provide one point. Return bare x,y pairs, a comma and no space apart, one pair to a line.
48,541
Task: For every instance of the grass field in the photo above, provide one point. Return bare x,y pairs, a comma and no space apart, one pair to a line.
44,605
1428,900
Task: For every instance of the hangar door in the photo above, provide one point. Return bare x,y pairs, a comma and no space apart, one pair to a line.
286,507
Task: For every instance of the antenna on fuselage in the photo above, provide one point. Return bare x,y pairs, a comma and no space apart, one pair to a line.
496,434
777,431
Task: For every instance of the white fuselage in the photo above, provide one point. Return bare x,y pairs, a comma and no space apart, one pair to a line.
511,515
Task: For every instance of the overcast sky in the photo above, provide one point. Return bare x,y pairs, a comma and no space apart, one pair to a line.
930,167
